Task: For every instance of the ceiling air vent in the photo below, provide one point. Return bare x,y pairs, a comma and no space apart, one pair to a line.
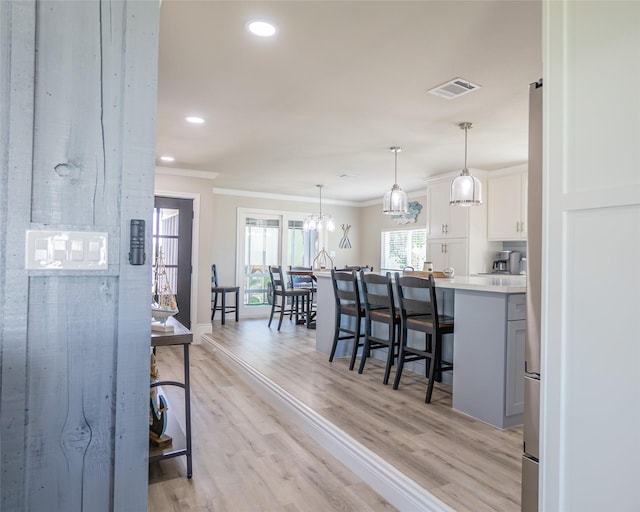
454,88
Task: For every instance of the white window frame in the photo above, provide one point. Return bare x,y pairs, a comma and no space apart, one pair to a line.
383,247
283,250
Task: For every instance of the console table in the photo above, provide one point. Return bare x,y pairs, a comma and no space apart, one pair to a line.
180,336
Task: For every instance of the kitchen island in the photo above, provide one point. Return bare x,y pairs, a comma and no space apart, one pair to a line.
487,346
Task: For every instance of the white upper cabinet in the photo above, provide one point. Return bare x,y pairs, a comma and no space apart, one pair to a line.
456,235
507,206
445,221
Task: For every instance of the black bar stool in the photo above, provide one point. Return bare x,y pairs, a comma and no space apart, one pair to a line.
419,312
347,296
377,295
216,290
300,298
302,277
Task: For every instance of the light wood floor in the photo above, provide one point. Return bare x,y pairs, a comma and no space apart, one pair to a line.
247,458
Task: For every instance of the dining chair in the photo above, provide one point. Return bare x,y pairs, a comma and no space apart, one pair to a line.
294,301
303,278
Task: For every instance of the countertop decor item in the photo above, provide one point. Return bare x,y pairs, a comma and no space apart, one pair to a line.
395,201
466,190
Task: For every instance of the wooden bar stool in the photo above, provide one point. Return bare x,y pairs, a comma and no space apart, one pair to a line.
302,277
299,298
380,310
216,290
419,312
347,296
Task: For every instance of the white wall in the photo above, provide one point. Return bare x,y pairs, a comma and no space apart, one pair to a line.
217,234
374,222
591,239
218,230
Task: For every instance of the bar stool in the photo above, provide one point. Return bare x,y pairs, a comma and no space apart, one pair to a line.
419,312
299,298
377,295
216,290
347,296
302,277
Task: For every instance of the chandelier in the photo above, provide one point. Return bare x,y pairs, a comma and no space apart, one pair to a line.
320,222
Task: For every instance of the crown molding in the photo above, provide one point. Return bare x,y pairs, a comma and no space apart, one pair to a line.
282,197
414,194
191,173
514,169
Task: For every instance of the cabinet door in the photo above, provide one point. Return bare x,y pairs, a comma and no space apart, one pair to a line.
457,226
514,399
445,221
457,256
504,207
436,254
438,206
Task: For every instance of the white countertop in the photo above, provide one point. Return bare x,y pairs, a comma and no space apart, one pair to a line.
489,283
498,283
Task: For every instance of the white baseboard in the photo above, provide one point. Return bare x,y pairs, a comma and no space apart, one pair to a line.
397,488
199,330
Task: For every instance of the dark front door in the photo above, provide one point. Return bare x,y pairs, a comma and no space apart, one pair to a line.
172,221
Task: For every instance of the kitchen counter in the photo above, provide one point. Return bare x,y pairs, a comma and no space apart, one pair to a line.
499,283
487,346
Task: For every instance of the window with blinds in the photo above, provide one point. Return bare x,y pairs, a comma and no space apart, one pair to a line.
403,248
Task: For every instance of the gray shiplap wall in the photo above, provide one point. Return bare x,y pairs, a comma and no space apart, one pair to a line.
77,134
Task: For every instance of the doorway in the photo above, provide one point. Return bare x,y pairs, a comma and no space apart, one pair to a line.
172,228
268,237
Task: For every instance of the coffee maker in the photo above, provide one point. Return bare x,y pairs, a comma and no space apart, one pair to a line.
501,263
507,262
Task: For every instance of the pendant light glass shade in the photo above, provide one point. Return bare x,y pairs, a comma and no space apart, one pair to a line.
395,201
319,222
466,190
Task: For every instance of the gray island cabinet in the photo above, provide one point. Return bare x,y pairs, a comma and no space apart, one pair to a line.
488,342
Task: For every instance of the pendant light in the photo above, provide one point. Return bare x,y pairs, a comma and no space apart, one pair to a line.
466,190
395,201
321,221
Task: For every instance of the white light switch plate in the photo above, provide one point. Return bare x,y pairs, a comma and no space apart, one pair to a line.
66,250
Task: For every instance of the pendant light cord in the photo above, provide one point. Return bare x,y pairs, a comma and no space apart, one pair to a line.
466,128
395,174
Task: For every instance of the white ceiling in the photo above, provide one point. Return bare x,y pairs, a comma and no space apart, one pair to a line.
340,83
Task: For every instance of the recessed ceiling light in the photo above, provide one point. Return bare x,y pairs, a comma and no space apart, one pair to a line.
262,28
167,159
194,119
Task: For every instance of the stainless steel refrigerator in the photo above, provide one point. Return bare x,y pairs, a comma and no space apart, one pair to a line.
533,374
